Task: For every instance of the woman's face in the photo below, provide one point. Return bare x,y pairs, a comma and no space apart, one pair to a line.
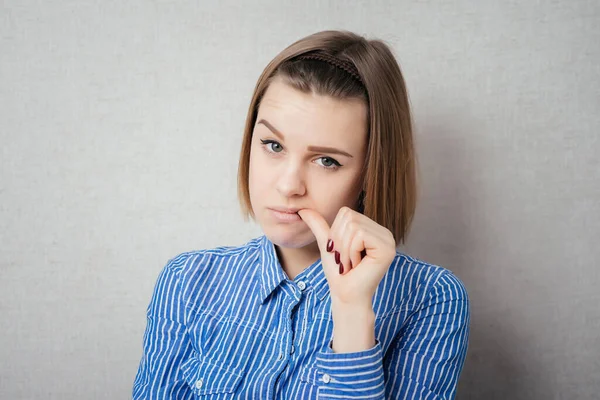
307,152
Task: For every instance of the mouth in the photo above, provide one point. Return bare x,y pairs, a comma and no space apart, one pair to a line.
286,210
285,214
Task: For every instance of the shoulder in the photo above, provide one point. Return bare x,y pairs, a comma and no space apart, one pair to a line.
411,282
189,269
194,262
198,271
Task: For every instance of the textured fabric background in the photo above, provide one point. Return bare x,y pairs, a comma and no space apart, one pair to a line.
120,127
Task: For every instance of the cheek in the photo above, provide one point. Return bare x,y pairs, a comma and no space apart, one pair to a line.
258,178
328,196
334,194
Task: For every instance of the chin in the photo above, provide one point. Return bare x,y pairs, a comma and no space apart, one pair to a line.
284,236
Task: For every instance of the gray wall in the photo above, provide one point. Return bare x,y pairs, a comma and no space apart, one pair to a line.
120,125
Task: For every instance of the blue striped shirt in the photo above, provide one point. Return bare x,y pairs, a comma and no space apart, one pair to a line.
228,323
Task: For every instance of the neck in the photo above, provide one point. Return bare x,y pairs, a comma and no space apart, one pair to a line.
293,261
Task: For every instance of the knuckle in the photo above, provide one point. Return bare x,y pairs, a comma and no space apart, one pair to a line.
392,238
352,214
359,233
389,234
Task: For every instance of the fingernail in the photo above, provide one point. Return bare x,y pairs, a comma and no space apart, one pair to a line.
329,245
337,257
350,264
341,268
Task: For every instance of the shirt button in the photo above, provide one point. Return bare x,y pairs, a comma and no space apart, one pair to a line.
326,378
280,357
293,349
301,285
199,384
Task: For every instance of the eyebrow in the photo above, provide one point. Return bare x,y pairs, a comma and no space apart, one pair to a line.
318,149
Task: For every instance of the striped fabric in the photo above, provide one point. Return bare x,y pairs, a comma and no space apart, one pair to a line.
227,323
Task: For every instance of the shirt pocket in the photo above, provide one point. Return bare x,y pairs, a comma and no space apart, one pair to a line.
205,377
311,375
229,342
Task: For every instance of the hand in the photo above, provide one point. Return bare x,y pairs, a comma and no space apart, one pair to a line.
359,254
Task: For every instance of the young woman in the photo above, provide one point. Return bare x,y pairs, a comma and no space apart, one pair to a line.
322,305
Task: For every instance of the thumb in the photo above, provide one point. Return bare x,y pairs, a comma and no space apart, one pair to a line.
318,225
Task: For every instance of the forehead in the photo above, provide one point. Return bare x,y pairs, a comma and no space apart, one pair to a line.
319,119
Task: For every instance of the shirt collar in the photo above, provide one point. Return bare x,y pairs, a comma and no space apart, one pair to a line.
269,270
314,277
271,273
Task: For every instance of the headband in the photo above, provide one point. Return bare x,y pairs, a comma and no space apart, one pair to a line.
344,65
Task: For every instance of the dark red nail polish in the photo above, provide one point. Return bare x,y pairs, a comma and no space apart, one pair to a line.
337,257
329,245
350,264
341,269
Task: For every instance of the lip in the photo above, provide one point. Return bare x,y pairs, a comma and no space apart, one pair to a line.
285,214
285,210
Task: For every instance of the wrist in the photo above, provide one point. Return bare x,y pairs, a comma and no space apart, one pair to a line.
342,311
353,327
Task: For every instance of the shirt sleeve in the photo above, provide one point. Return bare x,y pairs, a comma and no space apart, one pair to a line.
427,359
165,345
356,375
423,362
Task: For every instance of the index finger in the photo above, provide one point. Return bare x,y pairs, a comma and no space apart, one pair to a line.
317,224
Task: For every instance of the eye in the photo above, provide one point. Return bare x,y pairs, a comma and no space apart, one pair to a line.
329,163
272,146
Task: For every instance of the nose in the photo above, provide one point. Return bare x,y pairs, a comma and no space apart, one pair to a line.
291,180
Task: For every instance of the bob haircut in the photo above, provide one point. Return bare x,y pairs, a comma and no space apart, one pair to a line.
389,174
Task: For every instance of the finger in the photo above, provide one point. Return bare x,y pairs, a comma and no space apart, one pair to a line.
318,225
358,248
347,229
358,234
336,234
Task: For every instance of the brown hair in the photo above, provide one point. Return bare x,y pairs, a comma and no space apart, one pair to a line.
389,189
